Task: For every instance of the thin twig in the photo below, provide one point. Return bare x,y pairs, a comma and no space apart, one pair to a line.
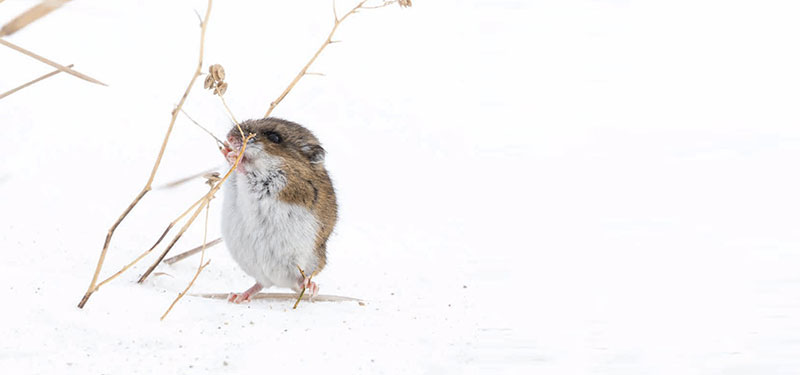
328,40
48,75
38,11
302,291
148,185
385,3
48,62
204,129
200,266
224,103
191,252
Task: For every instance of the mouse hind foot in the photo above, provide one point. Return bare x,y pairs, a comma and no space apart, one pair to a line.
244,297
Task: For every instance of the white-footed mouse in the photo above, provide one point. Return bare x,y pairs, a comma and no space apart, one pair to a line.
279,205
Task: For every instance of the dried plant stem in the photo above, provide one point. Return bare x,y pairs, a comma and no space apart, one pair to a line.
148,185
191,252
38,11
51,63
302,291
48,75
148,251
222,144
280,297
200,266
204,202
224,103
328,40
185,179
299,298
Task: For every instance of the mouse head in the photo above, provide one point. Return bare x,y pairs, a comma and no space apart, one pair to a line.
276,142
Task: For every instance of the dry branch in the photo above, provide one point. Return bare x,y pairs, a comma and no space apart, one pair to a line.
329,40
191,252
48,62
148,185
48,75
42,9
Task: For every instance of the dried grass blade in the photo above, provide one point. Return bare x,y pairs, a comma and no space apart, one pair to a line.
48,75
44,8
48,62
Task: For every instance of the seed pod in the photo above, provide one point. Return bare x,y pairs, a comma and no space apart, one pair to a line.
222,88
209,83
217,72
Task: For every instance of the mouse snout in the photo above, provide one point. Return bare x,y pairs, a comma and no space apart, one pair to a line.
234,141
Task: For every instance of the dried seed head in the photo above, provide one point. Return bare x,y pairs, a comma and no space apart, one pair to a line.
212,178
404,3
222,88
209,83
217,72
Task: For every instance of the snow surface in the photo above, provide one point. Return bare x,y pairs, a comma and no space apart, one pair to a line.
555,187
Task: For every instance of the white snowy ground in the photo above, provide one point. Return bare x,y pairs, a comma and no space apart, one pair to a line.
555,187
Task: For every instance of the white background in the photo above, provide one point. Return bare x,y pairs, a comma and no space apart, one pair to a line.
559,187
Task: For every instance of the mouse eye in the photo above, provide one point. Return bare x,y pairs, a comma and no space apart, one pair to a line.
273,137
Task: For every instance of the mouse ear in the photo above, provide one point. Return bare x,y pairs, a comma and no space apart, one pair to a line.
314,153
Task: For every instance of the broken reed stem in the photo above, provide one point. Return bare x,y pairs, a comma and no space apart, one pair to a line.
49,62
48,75
204,202
191,252
148,185
328,40
200,266
148,251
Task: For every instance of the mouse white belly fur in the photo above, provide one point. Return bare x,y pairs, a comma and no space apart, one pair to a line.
267,237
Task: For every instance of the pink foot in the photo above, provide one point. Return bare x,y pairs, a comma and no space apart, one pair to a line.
311,287
244,297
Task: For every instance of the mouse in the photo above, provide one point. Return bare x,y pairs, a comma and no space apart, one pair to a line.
279,206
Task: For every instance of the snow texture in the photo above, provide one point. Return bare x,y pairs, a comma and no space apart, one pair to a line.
554,187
